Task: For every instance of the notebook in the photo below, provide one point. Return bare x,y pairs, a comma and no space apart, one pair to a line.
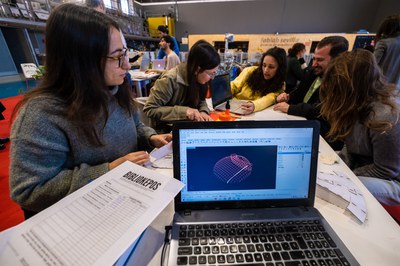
221,93
256,177
158,64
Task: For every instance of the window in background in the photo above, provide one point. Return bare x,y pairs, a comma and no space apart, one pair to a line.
124,7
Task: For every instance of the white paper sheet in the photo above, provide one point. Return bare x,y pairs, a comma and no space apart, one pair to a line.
342,186
162,157
94,225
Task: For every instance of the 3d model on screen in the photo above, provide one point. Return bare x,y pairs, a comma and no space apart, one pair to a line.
233,169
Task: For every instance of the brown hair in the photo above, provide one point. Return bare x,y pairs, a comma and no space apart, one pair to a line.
77,43
389,28
351,85
296,48
202,55
256,80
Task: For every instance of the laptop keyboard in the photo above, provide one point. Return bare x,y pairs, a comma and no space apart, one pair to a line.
282,243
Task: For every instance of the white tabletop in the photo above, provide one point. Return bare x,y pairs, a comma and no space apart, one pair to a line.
374,242
137,75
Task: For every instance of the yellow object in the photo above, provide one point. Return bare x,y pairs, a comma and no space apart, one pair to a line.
154,22
242,91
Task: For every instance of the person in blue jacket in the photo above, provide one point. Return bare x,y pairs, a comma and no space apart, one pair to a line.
162,31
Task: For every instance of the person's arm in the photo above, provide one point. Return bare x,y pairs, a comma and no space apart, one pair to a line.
135,58
379,51
203,107
159,106
300,109
238,83
150,70
386,155
309,110
176,46
266,101
39,171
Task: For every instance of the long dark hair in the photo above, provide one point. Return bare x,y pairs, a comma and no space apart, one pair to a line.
351,85
389,28
256,80
77,43
202,56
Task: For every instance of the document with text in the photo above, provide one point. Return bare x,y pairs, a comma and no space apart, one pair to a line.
95,224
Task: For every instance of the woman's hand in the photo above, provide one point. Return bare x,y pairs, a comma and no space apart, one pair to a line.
283,97
205,116
139,157
193,114
248,107
160,140
283,107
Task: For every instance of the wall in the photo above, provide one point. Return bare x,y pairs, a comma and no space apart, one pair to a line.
283,16
262,42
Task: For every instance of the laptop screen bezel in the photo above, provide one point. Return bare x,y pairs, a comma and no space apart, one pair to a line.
229,95
209,205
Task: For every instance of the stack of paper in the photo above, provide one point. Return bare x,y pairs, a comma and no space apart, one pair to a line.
340,190
95,224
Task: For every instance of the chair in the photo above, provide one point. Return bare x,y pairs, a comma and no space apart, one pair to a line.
394,211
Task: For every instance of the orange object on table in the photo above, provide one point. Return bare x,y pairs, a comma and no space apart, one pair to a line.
225,116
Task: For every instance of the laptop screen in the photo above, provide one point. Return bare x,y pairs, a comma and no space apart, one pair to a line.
221,89
246,161
158,64
364,41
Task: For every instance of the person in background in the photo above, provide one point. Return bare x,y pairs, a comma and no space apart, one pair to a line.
81,121
162,31
179,94
261,84
97,5
296,66
362,111
167,45
305,101
3,141
387,49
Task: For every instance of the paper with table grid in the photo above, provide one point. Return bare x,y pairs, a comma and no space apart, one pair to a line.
94,225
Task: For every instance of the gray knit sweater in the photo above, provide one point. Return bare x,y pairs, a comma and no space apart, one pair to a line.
371,153
49,159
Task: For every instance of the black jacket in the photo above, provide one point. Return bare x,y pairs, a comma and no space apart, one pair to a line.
311,109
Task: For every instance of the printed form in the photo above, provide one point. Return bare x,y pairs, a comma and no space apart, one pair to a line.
94,225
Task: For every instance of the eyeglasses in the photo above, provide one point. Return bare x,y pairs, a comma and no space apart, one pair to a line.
212,76
121,59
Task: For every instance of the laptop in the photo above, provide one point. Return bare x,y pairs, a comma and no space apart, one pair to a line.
248,196
221,93
158,64
145,63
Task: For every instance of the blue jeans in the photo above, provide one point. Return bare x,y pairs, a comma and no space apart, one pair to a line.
387,192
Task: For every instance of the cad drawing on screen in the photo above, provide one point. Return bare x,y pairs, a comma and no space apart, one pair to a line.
233,169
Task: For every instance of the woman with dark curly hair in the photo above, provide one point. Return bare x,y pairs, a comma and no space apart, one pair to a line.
261,84
362,111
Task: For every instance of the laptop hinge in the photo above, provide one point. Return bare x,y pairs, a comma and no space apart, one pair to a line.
187,212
